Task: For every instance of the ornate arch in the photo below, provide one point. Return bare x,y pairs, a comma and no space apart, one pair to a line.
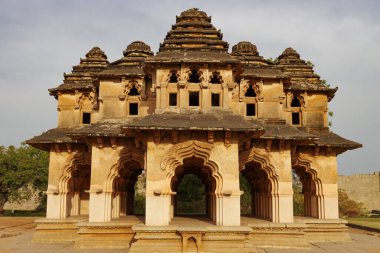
198,72
81,97
261,157
171,73
189,149
301,161
73,161
127,154
217,76
270,185
300,97
244,86
129,85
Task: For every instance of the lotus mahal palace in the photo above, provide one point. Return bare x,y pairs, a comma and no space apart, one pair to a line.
195,108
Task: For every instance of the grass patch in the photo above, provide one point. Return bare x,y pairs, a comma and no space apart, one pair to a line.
369,222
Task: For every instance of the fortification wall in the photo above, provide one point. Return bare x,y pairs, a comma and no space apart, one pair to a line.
363,188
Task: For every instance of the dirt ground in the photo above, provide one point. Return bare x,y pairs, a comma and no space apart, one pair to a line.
16,234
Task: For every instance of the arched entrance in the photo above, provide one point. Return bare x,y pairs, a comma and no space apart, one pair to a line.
195,190
124,189
203,194
78,185
74,185
310,188
261,194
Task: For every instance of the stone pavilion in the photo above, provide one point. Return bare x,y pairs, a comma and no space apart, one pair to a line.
197,108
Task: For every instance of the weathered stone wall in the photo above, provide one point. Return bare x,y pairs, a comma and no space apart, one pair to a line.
364,188
27,204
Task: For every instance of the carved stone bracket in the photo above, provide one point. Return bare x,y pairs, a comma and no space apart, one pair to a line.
268,146
175,136
210,136
113,142
99,141
227,138
157,136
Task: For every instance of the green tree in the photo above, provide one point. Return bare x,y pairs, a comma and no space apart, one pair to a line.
22,170
245,198
191,195
298,197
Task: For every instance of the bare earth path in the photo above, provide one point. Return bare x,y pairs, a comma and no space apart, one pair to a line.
16,234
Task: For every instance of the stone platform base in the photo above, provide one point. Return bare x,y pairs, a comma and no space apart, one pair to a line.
189,235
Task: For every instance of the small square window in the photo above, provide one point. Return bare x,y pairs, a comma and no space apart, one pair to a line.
251,110
173,99
133,109
86,118
215,99
296,120
193,98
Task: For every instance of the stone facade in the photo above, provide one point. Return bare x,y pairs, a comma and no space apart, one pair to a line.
364,188
192,108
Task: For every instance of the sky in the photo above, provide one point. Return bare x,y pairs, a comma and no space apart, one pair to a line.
40,40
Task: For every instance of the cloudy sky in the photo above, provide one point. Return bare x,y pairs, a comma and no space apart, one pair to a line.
39,40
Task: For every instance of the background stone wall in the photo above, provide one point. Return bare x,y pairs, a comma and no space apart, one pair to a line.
364,188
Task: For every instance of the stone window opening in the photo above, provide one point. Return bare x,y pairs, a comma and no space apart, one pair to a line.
296,118
194,98
133,109
216,78
133,91
295,103
194,77
173,77
250,92
173,99
86,118
215,99
251,110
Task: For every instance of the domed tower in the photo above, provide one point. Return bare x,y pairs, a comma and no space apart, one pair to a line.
303,89
247,52
134,84
77,96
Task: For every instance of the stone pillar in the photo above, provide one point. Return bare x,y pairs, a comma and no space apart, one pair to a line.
103,159
323,167
227,201
278,165
57,195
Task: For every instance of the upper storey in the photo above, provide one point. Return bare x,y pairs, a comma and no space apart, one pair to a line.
193,72
193,83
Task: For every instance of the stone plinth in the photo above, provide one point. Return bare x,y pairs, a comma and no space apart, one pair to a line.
57,230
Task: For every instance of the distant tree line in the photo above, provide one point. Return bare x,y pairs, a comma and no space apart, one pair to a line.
23,171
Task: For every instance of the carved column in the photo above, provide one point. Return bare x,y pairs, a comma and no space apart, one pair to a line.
104,158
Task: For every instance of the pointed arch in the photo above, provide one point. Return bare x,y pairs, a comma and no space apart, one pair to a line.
190,149
126,155
265,182
313,187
